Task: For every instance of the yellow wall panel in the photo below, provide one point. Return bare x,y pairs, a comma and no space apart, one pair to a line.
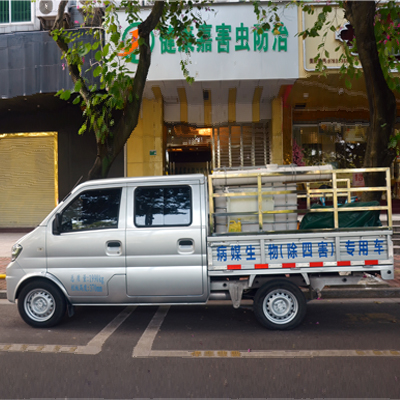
183,104
28,179
147,137
207,109
135,169
232,105
277,133
256,104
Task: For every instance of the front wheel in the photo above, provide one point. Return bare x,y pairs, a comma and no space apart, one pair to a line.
280,305
41,304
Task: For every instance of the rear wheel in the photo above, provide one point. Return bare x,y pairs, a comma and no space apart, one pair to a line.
41,304
280,305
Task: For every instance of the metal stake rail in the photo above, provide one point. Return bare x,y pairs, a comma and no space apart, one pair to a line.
306,178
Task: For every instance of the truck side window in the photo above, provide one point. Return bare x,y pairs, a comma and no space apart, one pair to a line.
163,206
93,209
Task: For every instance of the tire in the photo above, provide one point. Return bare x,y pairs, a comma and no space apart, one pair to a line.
280,305
41,304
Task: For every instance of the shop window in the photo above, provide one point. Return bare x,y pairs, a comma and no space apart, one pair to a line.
229,146
342,145
188,149
15,11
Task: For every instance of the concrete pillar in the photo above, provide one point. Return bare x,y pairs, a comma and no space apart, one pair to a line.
145,149
277,131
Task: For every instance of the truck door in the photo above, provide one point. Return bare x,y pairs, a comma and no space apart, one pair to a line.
164,243
88,250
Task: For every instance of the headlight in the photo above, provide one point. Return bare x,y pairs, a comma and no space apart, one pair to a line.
15,251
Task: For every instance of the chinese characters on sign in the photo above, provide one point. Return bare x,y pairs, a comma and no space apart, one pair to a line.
326,61
292,251
227,39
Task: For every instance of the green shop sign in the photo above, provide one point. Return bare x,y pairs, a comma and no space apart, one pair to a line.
223,38
219,37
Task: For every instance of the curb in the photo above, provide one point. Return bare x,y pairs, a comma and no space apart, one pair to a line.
358,293
361,293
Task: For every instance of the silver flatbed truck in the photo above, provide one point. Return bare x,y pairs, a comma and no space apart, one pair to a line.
188,239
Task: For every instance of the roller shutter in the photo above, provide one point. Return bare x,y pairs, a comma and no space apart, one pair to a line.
27,179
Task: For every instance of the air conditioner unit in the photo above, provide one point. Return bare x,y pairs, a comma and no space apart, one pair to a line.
47,9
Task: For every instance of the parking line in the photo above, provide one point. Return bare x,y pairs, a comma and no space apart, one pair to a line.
96,344
282,354
145,343
93,347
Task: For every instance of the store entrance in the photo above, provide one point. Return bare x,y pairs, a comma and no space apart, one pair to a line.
188,150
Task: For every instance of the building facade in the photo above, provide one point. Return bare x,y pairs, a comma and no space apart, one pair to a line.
42,156
256,100
232,115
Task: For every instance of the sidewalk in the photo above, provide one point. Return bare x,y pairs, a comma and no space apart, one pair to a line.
370,288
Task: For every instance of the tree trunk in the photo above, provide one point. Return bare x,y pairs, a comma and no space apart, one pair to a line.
109,150
382,102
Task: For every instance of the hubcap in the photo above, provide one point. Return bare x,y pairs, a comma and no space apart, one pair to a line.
280,306
39,305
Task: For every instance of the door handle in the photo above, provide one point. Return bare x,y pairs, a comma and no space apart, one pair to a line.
185,242
114,244
185,246
114,248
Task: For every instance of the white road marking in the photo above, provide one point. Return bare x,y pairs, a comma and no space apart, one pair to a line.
95,345
145,343
282,354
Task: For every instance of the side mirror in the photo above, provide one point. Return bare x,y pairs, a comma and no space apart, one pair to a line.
57,224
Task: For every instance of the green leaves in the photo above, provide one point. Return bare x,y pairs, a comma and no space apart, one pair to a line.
97,71
106,50
82,129
78,86
65,95
88,47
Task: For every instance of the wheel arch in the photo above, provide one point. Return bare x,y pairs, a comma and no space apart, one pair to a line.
41,277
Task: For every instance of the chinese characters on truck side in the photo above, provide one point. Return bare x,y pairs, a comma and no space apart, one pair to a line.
292,250
87,283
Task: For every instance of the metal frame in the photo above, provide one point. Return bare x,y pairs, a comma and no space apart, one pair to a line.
305,177
217,148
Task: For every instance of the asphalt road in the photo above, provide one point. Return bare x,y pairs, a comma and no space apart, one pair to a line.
344,348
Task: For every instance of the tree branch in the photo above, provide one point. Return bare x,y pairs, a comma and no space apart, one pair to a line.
58,23
131,111
63,46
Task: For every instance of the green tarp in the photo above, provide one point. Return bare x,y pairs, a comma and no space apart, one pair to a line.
347,219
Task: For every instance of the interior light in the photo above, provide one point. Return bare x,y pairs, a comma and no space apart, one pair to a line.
204,131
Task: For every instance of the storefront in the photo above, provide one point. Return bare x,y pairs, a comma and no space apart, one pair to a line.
330,120
231,116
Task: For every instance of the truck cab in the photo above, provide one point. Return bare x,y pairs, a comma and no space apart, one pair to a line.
116,241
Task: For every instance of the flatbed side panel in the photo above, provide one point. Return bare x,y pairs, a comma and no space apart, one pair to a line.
336,251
